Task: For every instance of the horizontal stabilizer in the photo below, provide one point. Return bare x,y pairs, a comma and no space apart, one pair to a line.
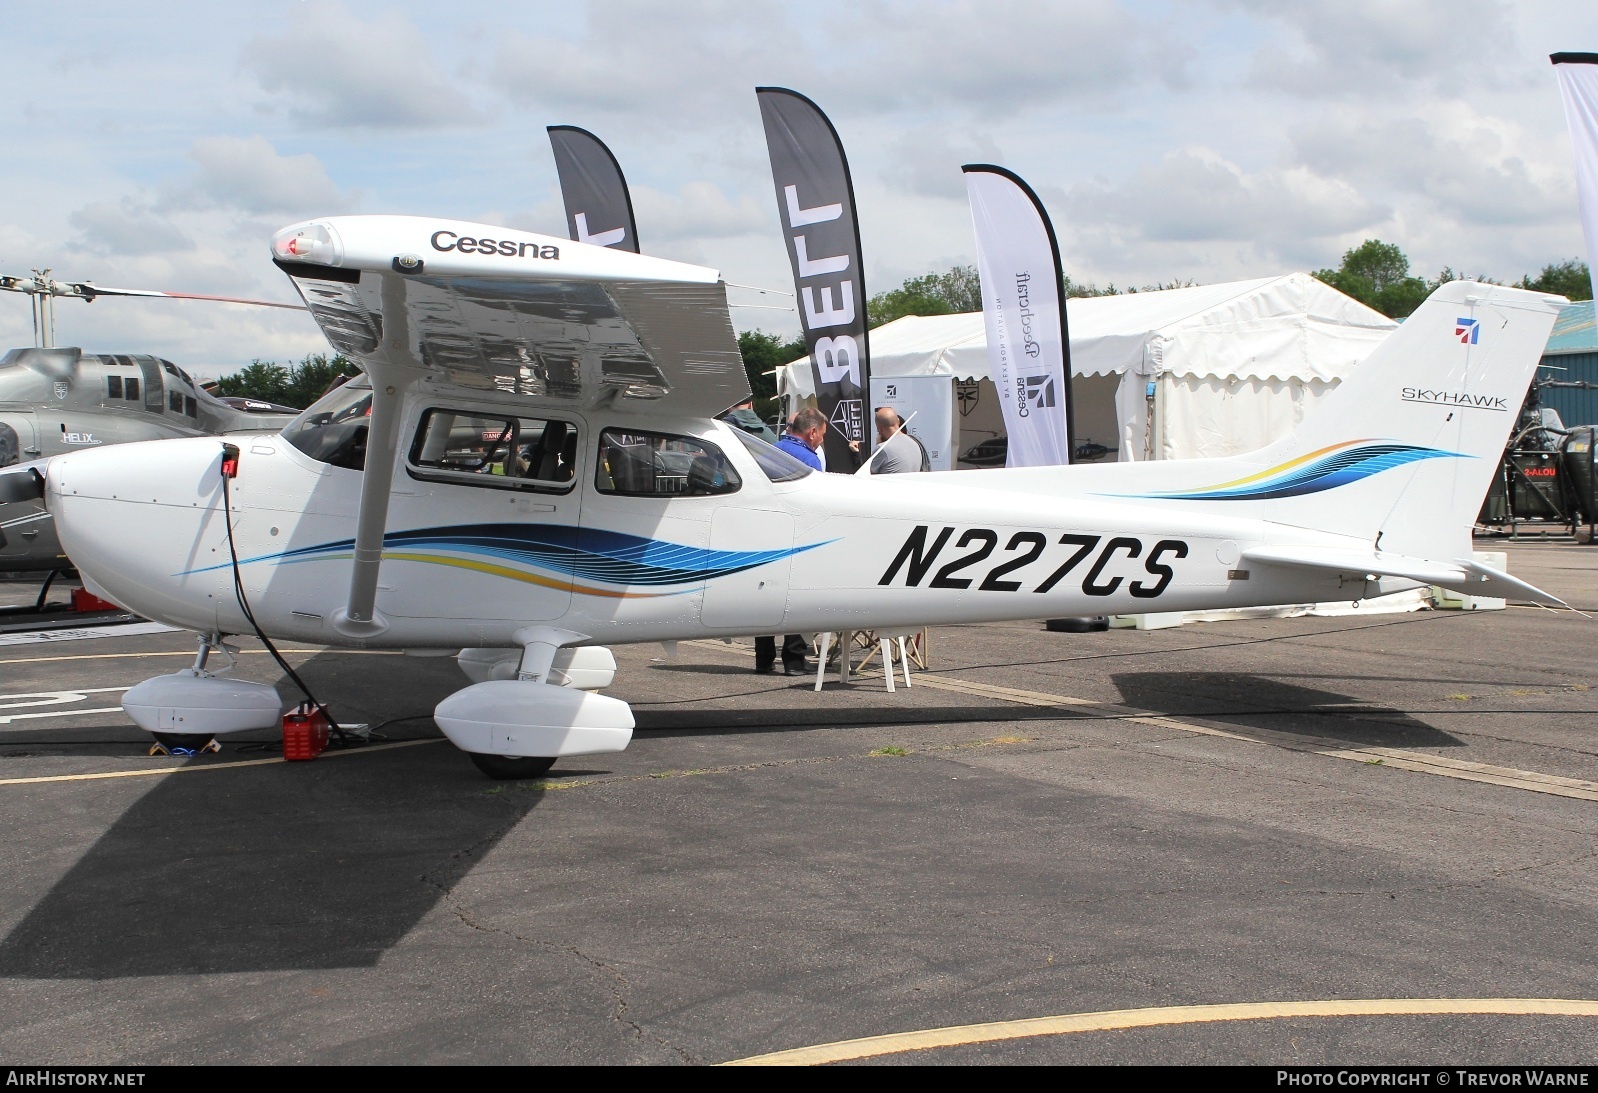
1487,581
1465,576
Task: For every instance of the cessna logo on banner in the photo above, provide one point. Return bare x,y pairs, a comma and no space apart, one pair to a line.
599,210
1578,86
1023,308
815,199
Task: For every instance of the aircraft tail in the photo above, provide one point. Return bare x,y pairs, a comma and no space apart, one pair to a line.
1402,452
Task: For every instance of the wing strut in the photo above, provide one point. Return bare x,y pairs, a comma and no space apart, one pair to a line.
392,367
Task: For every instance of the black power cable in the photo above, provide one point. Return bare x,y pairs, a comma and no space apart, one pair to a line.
230,454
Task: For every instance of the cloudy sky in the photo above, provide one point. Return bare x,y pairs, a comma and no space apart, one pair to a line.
160,146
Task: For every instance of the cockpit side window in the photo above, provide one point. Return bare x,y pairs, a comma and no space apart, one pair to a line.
634,464
476,448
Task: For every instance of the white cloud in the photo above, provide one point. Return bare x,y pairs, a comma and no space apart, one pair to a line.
998,58
1196,196
927,160
1362,48
699,210
337,71
680,56
248,174
1475,168
126,227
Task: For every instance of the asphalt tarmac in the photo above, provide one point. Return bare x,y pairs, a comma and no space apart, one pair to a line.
1372,807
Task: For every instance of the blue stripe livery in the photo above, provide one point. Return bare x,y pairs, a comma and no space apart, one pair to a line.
611,557
1326,469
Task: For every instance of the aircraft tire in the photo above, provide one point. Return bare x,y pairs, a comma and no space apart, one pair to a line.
511,767
191,743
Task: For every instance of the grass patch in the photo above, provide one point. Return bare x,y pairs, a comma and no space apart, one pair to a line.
890,750
1373,762
1460,698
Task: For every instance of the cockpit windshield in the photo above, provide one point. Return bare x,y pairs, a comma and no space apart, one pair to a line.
333,430
778,465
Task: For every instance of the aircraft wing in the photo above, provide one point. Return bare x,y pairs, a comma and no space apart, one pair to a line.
1467,576
544,322
547,320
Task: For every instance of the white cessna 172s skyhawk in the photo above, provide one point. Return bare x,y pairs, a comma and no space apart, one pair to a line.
534,471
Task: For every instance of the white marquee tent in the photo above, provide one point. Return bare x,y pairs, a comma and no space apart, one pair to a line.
1182,373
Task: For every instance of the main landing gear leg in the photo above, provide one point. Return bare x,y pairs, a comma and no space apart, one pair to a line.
517,728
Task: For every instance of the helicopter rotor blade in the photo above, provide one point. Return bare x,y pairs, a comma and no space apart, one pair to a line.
89,291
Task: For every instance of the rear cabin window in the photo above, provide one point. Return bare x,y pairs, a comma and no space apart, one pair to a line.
494,450
113,387
635,464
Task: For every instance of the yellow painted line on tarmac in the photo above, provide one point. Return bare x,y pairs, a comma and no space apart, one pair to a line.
1111,1020
1419,762
102,775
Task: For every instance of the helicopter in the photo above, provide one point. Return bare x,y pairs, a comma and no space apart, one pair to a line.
1549,472
532,469
60,399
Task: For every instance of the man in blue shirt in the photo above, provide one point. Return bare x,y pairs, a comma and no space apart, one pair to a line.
804,436
802,441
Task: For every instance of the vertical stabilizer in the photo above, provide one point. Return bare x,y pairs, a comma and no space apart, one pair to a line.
1406,447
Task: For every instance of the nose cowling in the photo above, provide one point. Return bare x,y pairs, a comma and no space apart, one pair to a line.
144,523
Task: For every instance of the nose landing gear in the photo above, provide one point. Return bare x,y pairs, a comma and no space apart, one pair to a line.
187,710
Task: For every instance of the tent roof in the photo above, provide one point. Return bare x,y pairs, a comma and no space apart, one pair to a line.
1287,327
1575,331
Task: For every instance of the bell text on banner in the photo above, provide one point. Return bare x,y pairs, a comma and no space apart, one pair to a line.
815,199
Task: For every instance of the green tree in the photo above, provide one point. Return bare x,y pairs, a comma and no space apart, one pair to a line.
296,385
1075,290
957,291
310,379
259,379
1570,279
1377,275
763,353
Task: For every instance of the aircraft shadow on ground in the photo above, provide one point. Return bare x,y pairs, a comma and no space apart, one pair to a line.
1260,702
702,722
286,866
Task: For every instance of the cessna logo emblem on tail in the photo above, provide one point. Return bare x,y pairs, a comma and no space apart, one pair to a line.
1468,331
